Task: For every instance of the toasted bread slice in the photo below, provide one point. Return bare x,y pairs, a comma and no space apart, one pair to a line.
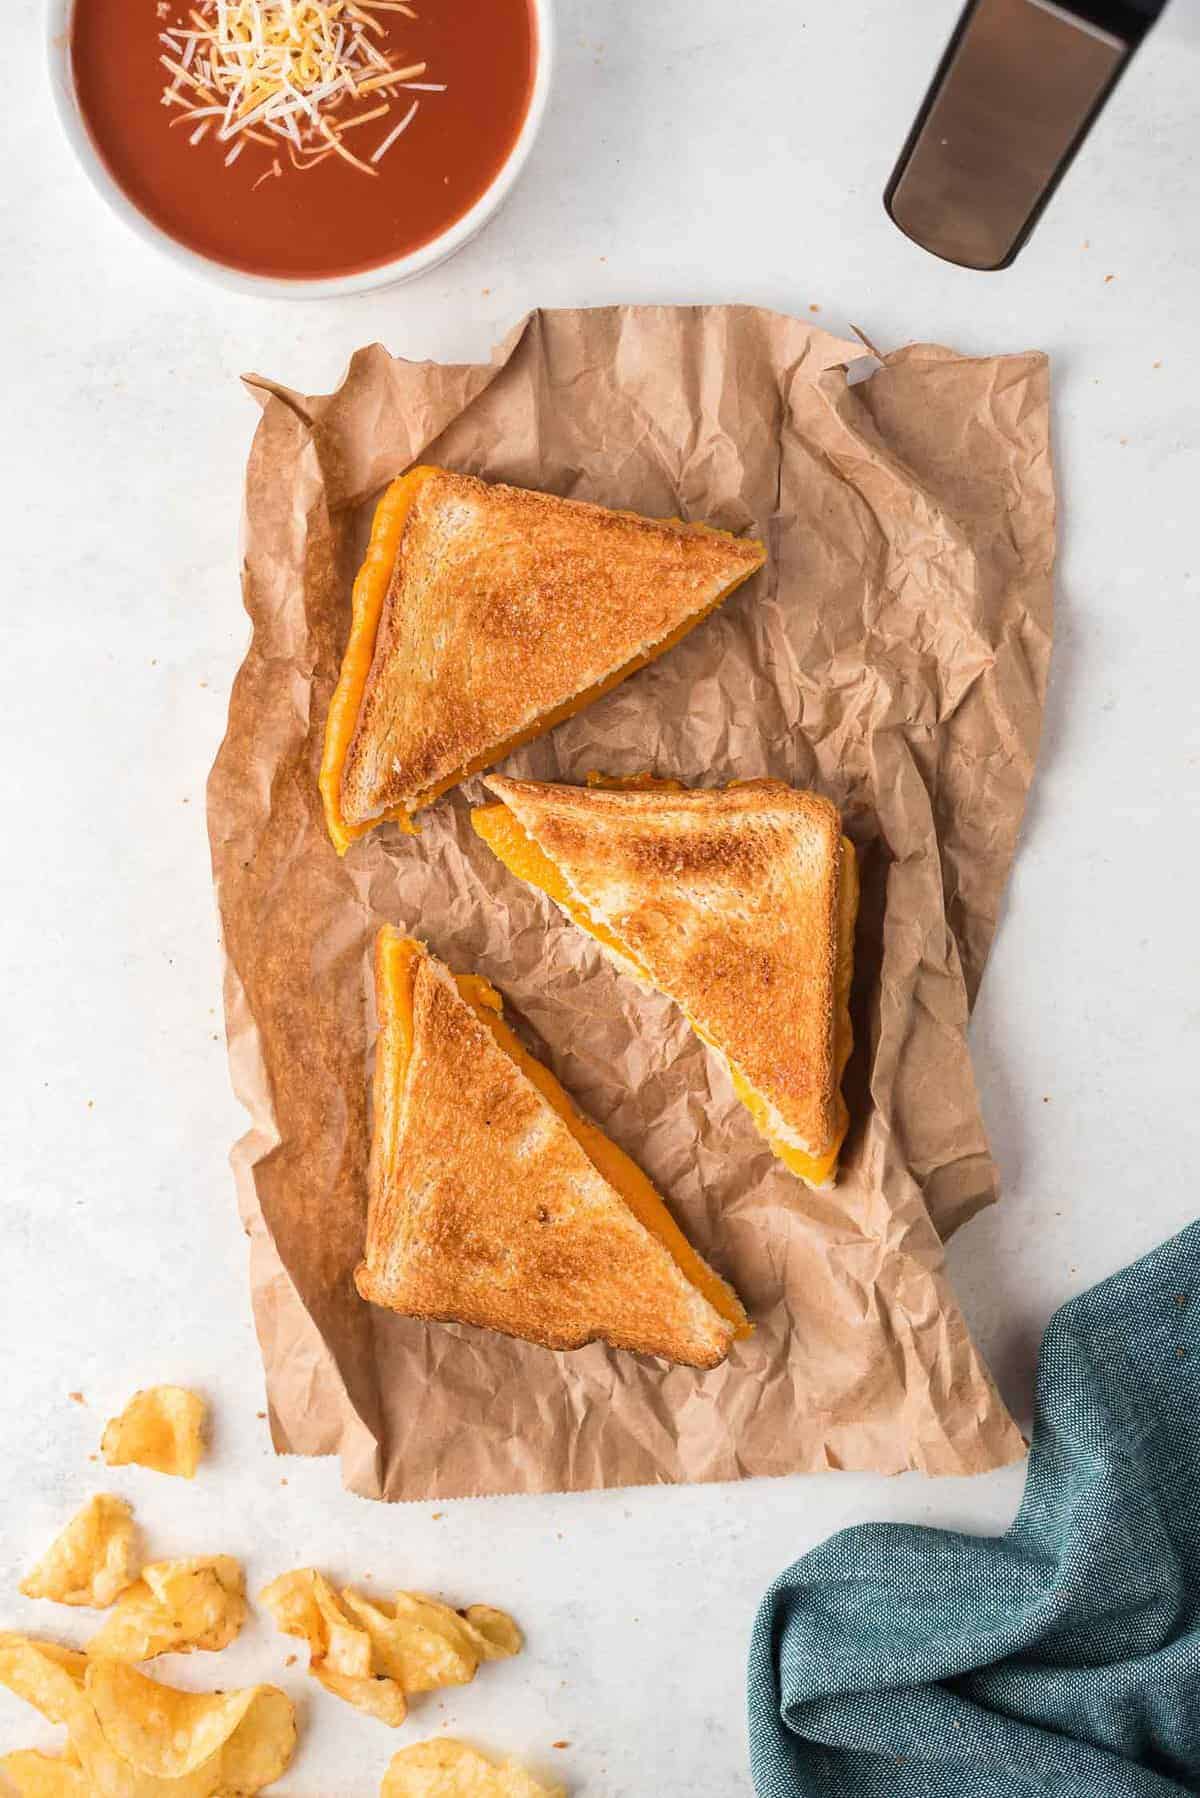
739,904
482,616
494,1202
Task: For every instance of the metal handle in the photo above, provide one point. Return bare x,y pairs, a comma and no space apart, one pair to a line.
1016,93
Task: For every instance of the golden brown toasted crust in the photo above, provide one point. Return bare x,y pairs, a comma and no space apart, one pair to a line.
485,1210
504,605
729,900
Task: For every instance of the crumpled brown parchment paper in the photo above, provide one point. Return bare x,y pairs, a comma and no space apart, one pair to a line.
893,653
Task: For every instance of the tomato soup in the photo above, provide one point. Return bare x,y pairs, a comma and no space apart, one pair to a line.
227,143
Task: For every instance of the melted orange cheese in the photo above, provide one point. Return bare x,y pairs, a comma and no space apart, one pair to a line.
395,969
397,964
508,840
367,602
635,783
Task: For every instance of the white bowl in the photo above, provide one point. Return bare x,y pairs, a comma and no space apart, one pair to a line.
385,274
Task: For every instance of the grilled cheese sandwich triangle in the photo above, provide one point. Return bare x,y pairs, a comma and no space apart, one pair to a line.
483,615
494,1202
738,904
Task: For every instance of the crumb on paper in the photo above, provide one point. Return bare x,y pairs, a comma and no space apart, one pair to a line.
260,1415
1109,278
814,308
437,1515
1156,365
560,1744
291,1660
77,1398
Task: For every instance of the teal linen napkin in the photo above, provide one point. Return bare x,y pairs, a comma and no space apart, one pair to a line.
1061,1658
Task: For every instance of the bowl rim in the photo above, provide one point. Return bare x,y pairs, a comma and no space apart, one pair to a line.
384,274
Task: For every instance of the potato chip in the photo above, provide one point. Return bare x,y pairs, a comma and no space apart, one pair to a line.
132,1737
376,1696
234,1741
497,1631
175,1607
449,1769
423,1644
259,1751
44,1674
157,1729
89,1563
35,1775
374,1655
304,1604
160,1428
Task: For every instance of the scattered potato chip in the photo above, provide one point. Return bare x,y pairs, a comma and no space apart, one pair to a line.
44,1674
175,1607
161,1428
89,1563
221,1741
449,1769
260,1749
499,1632
375,1695
35,1775
132,1737
304,1604
422,1644
373,1655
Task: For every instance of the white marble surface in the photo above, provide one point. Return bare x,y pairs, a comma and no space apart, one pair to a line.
692,151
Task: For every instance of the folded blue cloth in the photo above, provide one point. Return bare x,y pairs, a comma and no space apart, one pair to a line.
1061,1658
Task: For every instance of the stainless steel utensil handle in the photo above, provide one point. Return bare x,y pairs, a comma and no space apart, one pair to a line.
1016,93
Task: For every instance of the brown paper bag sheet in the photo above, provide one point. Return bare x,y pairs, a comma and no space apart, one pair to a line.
893,654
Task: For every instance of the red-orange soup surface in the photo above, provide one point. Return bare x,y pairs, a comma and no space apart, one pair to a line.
330,219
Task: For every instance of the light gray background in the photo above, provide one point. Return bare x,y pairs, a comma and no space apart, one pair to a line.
691,152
